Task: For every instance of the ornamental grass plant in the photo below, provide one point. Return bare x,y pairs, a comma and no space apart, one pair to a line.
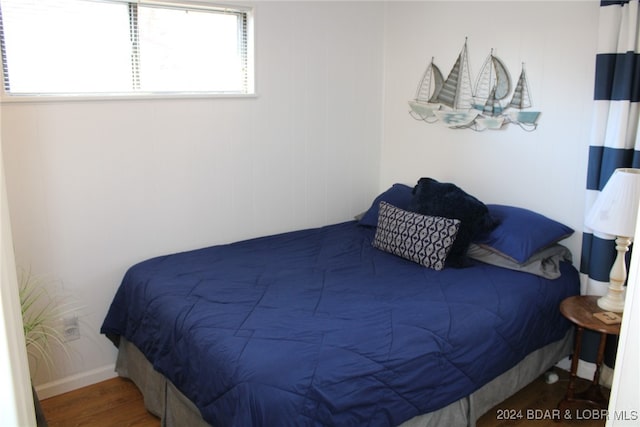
42,317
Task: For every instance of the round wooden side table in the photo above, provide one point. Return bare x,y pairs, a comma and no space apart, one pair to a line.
580,310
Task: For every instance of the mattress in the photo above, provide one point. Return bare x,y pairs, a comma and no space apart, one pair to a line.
318,327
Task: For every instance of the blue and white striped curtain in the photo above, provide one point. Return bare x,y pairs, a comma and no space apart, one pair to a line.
615,142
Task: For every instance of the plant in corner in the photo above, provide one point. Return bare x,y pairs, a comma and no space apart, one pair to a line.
42,314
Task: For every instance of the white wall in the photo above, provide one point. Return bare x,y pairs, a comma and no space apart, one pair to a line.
95,186
16,398
623,403
544,170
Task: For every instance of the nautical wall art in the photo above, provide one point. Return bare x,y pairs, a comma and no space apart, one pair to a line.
491,103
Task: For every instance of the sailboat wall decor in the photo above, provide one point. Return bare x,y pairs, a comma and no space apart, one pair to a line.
459,104
424,104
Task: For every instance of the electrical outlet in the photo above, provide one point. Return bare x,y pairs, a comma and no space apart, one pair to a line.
70,328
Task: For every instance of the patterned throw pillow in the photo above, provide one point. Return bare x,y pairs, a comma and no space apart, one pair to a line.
424,239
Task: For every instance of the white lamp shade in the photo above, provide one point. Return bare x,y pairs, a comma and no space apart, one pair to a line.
616,207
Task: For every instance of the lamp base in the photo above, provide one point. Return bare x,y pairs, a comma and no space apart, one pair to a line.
614,299
612,302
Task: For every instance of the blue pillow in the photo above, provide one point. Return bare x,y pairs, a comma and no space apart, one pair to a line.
521,232
399,195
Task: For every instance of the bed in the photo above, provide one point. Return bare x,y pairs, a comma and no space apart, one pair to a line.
328,326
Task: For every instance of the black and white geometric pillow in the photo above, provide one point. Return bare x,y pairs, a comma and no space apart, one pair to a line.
420,238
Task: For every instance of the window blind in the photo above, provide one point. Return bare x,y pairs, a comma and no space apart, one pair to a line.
113,46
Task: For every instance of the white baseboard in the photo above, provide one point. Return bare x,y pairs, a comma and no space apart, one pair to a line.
76,381
587,369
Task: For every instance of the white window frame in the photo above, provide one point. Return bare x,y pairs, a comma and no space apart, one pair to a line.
187,4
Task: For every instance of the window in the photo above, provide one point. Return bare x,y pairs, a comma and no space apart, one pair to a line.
93,47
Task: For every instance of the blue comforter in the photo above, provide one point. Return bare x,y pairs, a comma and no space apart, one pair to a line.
317,327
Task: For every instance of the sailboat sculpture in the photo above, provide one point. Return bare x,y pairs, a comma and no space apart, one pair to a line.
453,101
422,106
493,85
520,100
456,93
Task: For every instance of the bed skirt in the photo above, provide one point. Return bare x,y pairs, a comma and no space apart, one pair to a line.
162,399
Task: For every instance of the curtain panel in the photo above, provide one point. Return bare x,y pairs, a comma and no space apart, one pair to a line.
614,137
614,141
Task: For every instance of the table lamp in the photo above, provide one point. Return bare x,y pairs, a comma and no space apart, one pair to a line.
614,213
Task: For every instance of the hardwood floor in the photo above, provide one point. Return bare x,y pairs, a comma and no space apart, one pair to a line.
533,407
117,402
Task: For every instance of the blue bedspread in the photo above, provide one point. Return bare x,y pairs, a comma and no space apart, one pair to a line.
317,327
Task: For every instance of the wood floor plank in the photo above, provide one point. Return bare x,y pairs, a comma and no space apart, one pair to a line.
117,402
534,406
